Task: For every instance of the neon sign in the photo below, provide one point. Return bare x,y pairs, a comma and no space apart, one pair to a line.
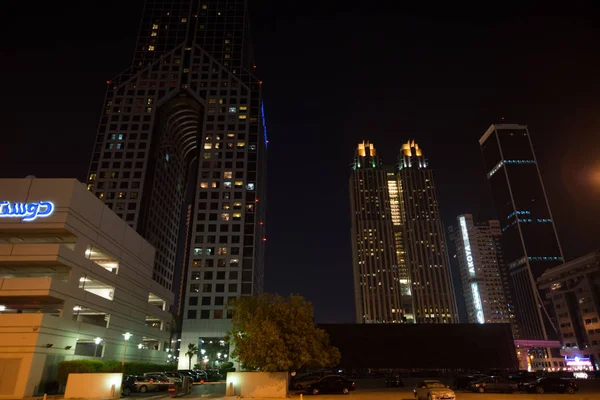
468,253
477,302
578,362
26,211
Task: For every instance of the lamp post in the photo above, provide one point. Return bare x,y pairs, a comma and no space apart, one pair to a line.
127,336
97,341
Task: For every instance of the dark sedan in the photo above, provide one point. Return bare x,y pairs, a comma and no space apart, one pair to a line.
546,385
493,384
332,384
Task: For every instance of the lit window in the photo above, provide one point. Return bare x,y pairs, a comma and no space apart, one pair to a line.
212,100
90,186
207,146
241,145
237,205
197,251
204,6
154,26
150,48
250,207
121,195
149,101
243,108
225,217
232,109
231,135
227,185
239,184
226,206
222,251
153,33
204,185
206,156
148,109
214,185
183,19
227,56
226,175
242,116
93,177
237,216
250,186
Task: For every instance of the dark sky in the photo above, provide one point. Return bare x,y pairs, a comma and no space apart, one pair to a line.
335,74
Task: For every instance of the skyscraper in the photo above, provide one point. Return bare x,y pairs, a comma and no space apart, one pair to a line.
482,270
376,291
425,243
401,268
184,126
529,237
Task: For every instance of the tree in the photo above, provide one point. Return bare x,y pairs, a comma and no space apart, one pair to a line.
272,334
192,351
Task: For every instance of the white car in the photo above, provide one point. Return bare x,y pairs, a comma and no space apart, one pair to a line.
433,390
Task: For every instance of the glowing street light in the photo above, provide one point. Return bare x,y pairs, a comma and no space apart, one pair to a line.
126,336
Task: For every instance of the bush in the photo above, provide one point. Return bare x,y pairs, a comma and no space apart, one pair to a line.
94,366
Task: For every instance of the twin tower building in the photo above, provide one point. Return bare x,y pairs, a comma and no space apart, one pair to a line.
402,270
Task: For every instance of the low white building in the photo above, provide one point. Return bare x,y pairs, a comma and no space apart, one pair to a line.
75,282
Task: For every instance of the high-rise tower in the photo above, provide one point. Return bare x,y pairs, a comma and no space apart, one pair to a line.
376,291
184,126
482,270
529,237
425,243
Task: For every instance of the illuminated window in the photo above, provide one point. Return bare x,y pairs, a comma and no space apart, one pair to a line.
226,175
241,145
90,186
214,185
207,156
232,109
121,195
149,101
227,185
222,251
93,177
234,262
153,34
225,217
242,116
212,100
250,186
239,184
183,19
237,216
207,146
250,207
227,56
151,48
148,109
204,185
204,6
226,206
237,206
243,108
154,26
231,135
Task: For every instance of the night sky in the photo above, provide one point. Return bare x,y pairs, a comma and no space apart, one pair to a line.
334,75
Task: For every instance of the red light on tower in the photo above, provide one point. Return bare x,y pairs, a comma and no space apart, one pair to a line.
108,82
260,223
260,82
254,66
256,201
264,239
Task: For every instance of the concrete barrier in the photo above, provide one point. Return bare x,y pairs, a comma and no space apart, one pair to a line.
93,386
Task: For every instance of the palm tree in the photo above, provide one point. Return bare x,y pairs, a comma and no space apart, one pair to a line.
192,351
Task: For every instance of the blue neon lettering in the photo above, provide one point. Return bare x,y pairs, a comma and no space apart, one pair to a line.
27,211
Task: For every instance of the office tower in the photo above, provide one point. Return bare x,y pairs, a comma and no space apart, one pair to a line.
530,242
482,270
425,244
376,291
185,126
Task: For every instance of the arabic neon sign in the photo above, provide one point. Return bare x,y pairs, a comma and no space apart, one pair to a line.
26,211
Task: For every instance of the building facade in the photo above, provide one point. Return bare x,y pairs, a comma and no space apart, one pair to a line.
74,280
375,270
574,289
400,258
529,237
482,270
181,153
425,240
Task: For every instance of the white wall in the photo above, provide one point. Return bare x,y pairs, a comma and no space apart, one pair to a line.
257,384
93,386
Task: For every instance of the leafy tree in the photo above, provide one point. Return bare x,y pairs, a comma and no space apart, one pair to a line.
272,333
192,351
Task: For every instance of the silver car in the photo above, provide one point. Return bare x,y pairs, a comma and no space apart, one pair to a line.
433,390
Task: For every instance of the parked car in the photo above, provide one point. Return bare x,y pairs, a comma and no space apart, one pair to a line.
464,381
145,384
196,376
128,385
557,385
332,384
493,384
305,381
394,381
159,378
433,390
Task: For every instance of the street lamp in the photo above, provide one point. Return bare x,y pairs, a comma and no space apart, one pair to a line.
97,341
202,351
126,336
140,346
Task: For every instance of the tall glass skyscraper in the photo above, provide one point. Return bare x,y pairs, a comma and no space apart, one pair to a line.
529,236
181,154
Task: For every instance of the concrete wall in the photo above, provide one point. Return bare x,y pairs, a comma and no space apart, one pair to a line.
257,384
93,386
